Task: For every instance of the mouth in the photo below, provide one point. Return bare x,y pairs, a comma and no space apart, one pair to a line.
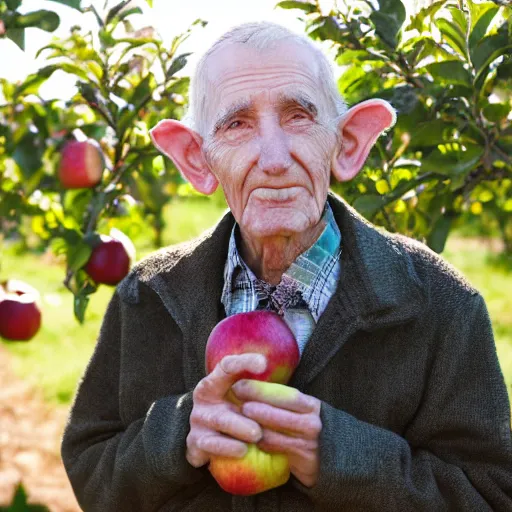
275,195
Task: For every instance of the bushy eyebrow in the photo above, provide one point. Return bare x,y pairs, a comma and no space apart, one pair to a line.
245,107
289,100
238,108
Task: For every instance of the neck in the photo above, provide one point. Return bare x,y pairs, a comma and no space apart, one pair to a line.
270,257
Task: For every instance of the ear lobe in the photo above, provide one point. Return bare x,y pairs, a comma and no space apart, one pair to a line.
184,147
359,128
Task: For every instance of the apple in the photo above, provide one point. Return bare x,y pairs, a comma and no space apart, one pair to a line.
266,333
20,317
81,164
109,262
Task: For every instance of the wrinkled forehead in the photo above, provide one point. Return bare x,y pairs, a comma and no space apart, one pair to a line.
237,74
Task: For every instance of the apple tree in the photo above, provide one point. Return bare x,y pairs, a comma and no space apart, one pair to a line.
127,79
447,70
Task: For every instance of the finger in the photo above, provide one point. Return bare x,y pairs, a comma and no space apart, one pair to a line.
220,419
304,479
278,395
218,383
277,442
196,457
223,446
306,425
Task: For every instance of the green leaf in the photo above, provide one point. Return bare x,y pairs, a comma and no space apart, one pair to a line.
78,255
450,72
117,11
177,65
490,48
348,57
477,10
388,20
17,36
452,159
418,21
431,133
452,35
150,3
326,28
481,26
94,131
368,205
459,19
33,82
496,112
437,237
45,20
303,6
53,46
20,504
28,155
75,4
12,5
80,303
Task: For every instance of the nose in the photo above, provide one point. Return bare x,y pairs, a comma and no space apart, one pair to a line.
275,156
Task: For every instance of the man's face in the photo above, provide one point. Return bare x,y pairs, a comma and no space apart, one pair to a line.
268,141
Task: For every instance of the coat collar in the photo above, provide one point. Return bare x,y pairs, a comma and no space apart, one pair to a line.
378,286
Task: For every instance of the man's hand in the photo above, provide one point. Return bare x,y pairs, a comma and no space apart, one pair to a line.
291,424
216,425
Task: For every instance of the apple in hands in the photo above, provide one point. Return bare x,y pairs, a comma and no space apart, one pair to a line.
266,333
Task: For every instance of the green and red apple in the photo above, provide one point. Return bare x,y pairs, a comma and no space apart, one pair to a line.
262,332
81,164
20,316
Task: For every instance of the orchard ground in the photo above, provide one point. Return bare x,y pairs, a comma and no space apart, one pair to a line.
51,364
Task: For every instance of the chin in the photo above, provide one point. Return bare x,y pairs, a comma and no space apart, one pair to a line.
279,222
276,225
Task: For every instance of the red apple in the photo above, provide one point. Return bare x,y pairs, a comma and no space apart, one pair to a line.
109,262
20,317
266,333
81,164
263,332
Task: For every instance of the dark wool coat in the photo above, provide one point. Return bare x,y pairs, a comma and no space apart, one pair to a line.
414,408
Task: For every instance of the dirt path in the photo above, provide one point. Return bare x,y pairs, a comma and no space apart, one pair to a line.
30,433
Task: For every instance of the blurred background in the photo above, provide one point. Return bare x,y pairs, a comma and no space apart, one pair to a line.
83,194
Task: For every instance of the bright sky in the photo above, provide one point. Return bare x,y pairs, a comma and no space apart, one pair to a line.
169,17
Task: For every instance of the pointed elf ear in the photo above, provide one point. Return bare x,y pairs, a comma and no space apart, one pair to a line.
184,147
359,128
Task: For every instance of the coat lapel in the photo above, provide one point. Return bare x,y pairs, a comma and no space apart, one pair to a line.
378,288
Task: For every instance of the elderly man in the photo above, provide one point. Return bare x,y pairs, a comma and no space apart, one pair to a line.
402,405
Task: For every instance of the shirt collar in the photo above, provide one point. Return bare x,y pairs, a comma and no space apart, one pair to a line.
309,271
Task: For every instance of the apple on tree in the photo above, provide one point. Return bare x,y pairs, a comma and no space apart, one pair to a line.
109,262
266,333
20,316
81,164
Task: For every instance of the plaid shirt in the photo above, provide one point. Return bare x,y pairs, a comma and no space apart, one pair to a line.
316,272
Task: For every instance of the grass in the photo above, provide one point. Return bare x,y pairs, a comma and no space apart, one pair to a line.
56,358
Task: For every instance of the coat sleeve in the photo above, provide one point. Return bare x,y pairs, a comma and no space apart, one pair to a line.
113,466
456,454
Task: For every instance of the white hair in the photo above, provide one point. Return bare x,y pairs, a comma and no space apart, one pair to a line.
259,35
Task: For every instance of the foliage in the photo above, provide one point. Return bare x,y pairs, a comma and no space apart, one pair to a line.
19,503
448,73
13,23
126,82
